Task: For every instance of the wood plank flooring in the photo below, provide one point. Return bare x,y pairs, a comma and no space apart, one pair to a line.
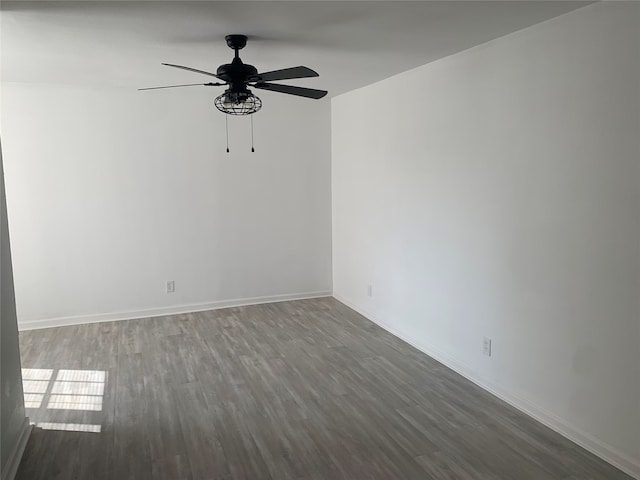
294,390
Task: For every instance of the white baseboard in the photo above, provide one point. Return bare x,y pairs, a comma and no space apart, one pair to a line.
157,312
11,467
606,452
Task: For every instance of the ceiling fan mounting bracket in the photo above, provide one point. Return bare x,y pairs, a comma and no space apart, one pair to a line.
236,42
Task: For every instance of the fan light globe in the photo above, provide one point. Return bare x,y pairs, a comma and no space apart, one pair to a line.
238,103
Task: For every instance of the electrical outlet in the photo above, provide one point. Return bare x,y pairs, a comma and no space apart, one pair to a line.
171,286
486,346
370,290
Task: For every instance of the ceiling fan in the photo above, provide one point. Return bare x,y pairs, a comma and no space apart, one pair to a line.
238,76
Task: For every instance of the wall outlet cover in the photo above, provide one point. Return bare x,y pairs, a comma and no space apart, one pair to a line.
486,346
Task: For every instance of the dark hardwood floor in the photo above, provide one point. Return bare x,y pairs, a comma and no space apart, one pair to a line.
292,390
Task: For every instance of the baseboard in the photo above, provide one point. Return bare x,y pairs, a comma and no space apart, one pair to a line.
602,450
11,467
157,312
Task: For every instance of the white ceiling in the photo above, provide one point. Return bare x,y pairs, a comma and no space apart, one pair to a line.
350,43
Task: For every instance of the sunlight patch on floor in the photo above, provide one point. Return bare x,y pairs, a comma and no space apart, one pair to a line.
64,390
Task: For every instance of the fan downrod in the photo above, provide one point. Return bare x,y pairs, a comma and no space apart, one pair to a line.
236,42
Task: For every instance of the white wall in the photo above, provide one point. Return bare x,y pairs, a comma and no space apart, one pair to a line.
14,426
111,192
497,192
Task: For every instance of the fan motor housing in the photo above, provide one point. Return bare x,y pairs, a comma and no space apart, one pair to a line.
236,73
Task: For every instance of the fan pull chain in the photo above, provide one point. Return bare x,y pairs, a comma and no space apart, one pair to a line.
252,134
226,122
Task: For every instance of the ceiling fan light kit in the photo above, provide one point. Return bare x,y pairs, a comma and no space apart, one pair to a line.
238,103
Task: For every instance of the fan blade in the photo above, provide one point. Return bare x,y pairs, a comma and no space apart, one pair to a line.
186,85
191,69
284,74
291,90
